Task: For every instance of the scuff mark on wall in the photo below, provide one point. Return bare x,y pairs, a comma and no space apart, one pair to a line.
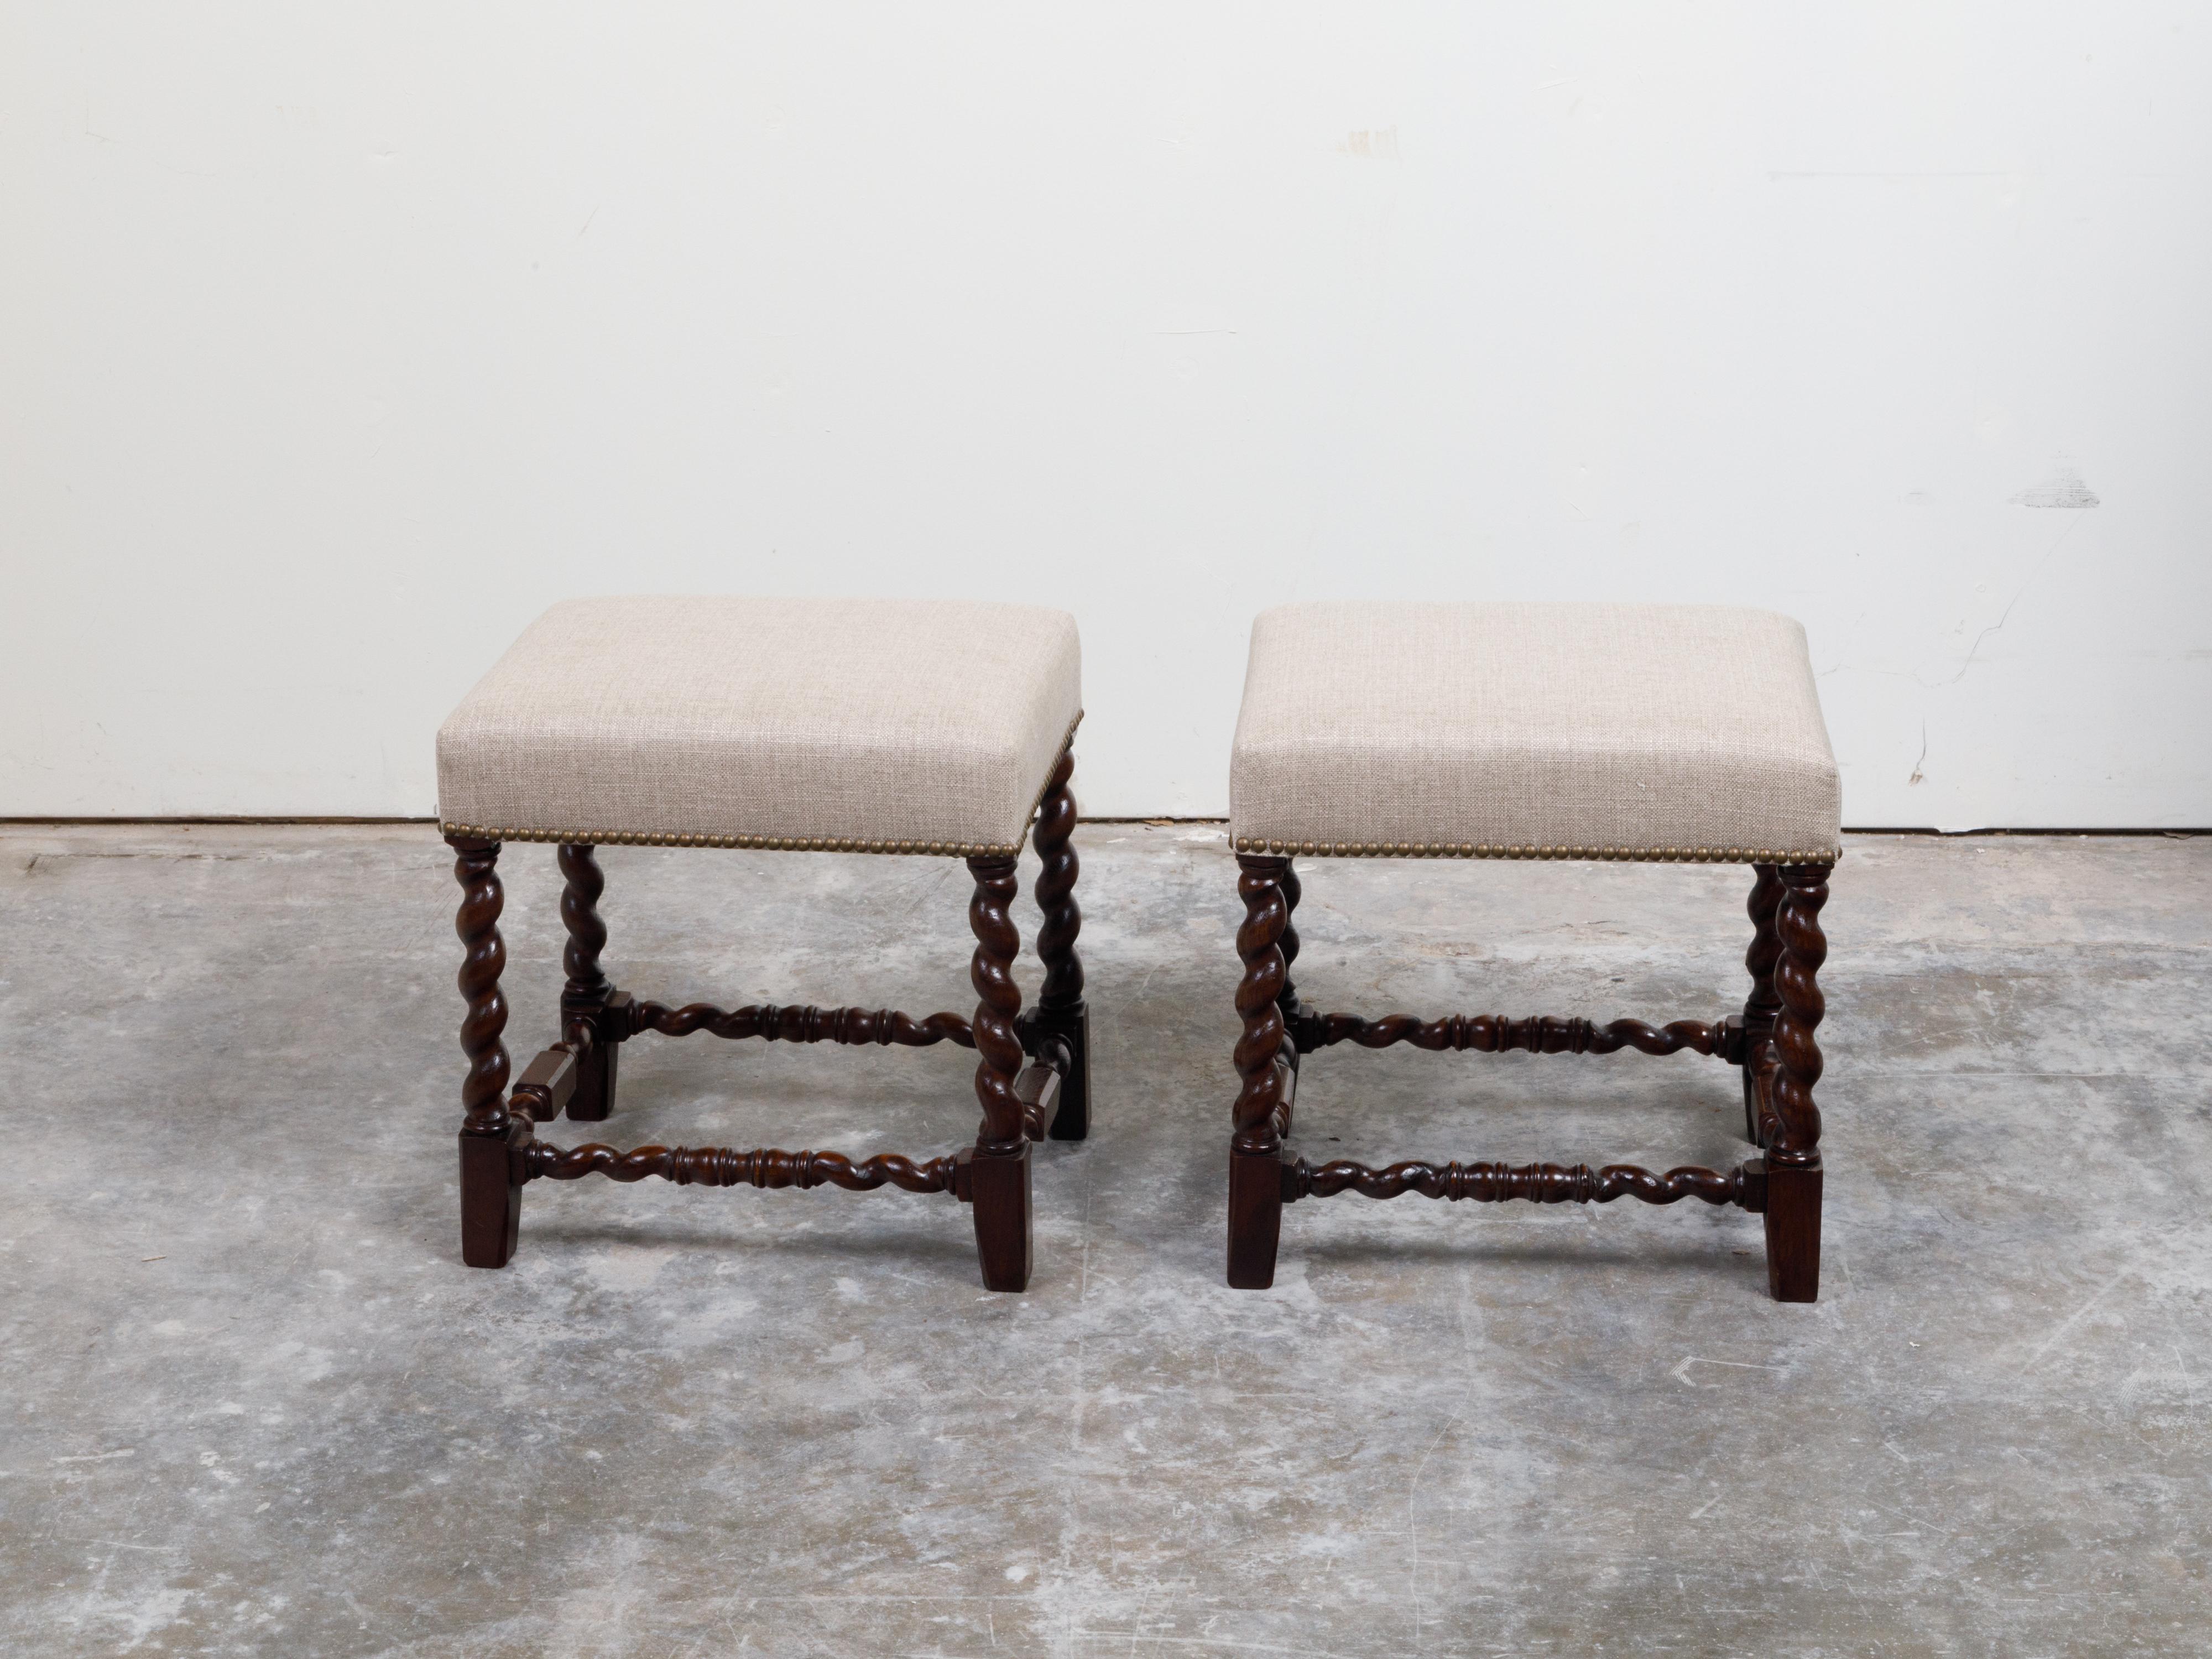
1379,145
2064,488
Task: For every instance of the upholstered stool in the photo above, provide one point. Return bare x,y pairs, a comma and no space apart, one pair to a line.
927,728
1664,733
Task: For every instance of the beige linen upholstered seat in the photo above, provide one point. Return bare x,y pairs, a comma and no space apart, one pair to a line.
921,726
1532,730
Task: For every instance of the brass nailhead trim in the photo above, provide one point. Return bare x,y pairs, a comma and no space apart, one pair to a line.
763,843
1403,849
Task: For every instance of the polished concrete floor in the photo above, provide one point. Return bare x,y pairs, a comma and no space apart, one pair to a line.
250,1401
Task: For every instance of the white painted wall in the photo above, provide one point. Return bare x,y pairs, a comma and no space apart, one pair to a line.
334,342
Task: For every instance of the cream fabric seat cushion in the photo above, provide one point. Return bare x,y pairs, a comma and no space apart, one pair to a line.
1623,730
882,725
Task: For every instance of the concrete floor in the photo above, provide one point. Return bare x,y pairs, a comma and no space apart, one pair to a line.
253,1404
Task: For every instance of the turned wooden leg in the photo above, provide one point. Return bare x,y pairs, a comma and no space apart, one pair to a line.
999,1172
1256,1171
1760,1007
1061,1012
1793,1142
1287,1000
491,1193
584,998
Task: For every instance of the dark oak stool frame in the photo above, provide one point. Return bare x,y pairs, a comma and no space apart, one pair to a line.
1771,1041
1051,1094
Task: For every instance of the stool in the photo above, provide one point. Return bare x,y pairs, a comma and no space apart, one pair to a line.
923,727
1663,733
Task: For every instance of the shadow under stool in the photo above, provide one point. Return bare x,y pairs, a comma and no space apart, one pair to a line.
925,728
1659,733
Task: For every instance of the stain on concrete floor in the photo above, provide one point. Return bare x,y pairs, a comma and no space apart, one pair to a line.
250,1402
